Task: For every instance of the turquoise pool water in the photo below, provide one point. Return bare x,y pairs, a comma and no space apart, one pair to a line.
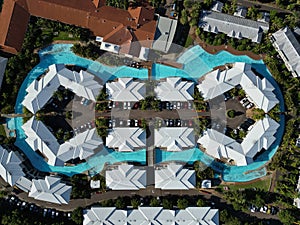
196,62
206,62
61,53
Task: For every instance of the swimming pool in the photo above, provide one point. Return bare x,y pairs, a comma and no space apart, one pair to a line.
196,63
61,53
208,62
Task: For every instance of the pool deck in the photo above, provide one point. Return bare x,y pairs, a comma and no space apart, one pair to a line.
215,49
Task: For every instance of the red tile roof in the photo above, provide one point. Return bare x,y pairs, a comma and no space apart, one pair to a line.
114,25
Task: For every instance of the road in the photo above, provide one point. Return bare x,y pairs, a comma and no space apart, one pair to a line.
263,6
214,200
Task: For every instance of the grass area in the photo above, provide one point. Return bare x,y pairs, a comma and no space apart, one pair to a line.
189,41
65,36
2,131
260,184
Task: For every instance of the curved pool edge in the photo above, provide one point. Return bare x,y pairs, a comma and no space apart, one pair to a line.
228,172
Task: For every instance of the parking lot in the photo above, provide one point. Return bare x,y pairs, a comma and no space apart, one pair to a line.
240,116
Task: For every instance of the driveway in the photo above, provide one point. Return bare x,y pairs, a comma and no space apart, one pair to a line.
240,113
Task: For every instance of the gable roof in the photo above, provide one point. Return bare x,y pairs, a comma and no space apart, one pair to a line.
259,90
10,166
126,89
126,138
287,43
50,189
126,177
174,177
15,15
233,26
261,136
164,34
174,89
40,91
174,138
39,138
151,215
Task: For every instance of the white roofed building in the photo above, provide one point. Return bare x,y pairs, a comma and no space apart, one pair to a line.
164,34
174,138
174,177
126,89
233,26
151,215
40,91
259,90
174,89
221,146
51,190
126,177
126,139
217,6
82,146
288,48
10,166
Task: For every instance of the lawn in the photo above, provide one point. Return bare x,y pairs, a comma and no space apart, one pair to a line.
65,36
189,41
260,184
2,131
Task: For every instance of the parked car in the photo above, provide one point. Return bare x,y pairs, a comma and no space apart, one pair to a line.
246,103
128,123
249,106
226,96
243,100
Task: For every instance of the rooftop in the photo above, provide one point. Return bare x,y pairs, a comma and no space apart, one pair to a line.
174,138
126,89
174,89
233,26
15,16
126,177
10,166
126,138
151,215
260,137
164,34
40,91
51,190
39,138
260,91
174,177
287,43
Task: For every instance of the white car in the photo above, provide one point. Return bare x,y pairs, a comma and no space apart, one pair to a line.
243,100
249,106
128,122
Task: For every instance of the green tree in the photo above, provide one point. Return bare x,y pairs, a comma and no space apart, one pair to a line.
167,204
201,202
77,215
135,203
287,216
154,202
184,17
182,203
187,4
120,203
